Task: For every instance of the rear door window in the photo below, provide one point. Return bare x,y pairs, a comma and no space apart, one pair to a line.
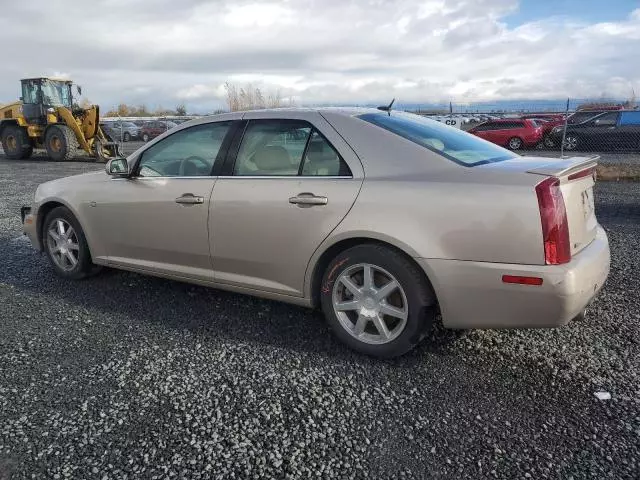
272,148
458,146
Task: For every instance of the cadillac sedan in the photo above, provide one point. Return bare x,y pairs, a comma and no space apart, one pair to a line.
382,219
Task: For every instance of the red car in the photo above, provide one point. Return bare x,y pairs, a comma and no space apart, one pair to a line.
548,121
154,128
513,133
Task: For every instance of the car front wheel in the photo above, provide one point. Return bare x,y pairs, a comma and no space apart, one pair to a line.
548,141
66,245
145,137
377,301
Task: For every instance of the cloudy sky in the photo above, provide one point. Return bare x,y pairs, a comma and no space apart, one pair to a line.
166,52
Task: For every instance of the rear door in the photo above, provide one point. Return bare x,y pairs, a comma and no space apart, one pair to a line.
289,181
601,132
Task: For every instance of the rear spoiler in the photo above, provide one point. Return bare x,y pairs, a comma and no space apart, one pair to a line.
566,166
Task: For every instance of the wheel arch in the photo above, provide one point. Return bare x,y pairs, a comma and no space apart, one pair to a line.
6,123
47,206
323,257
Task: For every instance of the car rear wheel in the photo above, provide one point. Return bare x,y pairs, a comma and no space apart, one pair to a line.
145,137
377,301
571,141
66,245
515,143
126,137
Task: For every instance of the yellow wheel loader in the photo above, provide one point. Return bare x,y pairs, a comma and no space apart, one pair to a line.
46,117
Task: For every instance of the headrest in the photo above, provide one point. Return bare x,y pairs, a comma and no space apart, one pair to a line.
272,158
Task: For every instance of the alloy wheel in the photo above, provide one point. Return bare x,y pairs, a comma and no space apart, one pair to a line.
63,244
570,142
370,304
515,143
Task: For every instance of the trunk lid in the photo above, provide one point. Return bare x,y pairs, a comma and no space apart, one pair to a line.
576,184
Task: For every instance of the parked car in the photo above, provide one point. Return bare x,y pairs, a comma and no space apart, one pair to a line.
613,130
548,122
121,130
513,133
155,128
384,220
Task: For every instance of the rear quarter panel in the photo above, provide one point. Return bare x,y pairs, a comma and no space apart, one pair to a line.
431,207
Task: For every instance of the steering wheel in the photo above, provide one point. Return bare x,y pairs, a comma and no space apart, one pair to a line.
186,161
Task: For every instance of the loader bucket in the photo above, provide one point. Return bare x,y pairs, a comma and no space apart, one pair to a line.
105,151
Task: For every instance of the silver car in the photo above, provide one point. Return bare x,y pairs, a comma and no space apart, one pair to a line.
122,131
382,219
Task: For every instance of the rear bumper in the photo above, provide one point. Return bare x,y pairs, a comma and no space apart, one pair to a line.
30,226
472,294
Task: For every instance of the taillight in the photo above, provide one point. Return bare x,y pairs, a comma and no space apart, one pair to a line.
555,229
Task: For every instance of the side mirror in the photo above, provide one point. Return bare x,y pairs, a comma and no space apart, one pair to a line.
117,167
79,89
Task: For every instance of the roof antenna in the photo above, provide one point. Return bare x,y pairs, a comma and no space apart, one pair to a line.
387,108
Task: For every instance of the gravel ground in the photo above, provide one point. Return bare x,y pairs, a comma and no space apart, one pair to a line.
125,376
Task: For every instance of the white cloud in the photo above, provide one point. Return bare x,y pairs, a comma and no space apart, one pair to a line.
162,52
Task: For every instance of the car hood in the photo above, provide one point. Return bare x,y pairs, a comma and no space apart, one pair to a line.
63,186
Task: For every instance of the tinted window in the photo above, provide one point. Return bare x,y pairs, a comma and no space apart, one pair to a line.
272,147
451,143
580,117
607,119
187,153
630,118
321,159
486,126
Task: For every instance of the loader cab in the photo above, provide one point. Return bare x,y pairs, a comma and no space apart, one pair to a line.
40,94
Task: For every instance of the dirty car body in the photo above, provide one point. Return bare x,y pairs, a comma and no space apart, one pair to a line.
381,218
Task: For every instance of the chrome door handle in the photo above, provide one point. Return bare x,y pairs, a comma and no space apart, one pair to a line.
308,200
190,199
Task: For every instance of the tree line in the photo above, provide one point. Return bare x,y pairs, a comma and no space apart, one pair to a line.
124,110
237,98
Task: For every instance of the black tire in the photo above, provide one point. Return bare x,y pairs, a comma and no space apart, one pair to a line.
61,143
16,143
572,142
145,137
84,266
126,137
421,301
548,141
515,143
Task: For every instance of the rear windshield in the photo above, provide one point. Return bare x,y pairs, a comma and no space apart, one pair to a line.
461,147
534,123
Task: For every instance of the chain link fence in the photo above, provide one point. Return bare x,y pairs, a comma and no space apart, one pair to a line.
563,128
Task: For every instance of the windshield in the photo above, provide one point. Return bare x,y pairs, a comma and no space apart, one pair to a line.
456,145
56,94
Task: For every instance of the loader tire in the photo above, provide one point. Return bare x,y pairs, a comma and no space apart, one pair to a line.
61,143
16,143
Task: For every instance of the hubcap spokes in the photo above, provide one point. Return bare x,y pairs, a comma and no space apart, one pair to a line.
370,304
63,244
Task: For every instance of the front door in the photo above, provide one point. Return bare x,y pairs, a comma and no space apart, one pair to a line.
290,184
157,220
